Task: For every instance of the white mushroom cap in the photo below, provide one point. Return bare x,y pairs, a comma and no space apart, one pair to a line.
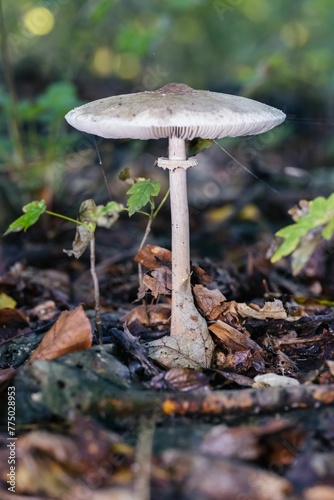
175,110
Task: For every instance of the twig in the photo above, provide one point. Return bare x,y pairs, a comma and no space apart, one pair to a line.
220,403
98,321
143,458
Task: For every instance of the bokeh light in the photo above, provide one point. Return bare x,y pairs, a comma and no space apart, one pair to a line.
39,21
294,34
257,10
104,62
129,66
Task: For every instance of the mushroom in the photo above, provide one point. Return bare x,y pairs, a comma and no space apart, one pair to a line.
179,113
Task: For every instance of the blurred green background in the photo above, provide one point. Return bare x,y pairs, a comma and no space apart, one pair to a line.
57,54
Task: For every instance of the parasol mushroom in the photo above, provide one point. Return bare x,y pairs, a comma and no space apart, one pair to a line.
179,113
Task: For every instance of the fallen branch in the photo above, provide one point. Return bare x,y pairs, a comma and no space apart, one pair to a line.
222,403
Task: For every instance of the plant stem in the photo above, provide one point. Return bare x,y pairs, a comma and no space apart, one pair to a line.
69,219
98,321
161,203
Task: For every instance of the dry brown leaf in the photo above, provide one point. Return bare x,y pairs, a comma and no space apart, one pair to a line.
155,313
13,318
71,332
153,256
243,351
186,379
232,339
229,313
201,276
158,281
209,301
241,361
273,310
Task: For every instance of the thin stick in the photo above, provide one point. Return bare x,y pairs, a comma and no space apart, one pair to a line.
143,458
98,321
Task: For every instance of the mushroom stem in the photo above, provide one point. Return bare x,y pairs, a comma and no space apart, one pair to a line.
180,226
187,324
189,343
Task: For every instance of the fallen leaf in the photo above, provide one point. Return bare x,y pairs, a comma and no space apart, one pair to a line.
243,351
158,281
274,310
200,276
273,380
232,339
153,256
242,361
181,379
13,318
71,332
6,301
152,314
209,301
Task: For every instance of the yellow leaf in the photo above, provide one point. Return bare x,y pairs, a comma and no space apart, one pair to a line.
7,301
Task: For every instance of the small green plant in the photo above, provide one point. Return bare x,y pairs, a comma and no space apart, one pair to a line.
313,222
142,192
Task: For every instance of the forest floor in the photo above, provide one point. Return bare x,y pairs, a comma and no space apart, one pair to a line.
82,420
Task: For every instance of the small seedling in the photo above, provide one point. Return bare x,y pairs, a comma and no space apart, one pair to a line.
89,217
142,192
313,222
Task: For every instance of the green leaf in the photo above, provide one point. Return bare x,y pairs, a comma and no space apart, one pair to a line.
141,193
288,246
314,221
304,251
197,145
107,215
32,213
328,230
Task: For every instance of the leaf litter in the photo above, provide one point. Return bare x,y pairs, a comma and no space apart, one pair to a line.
249,426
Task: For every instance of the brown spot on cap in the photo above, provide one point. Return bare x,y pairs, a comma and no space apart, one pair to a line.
175,88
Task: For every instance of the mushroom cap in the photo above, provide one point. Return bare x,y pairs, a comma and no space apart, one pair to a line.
175,110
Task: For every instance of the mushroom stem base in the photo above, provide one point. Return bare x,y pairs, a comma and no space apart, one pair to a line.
190,344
